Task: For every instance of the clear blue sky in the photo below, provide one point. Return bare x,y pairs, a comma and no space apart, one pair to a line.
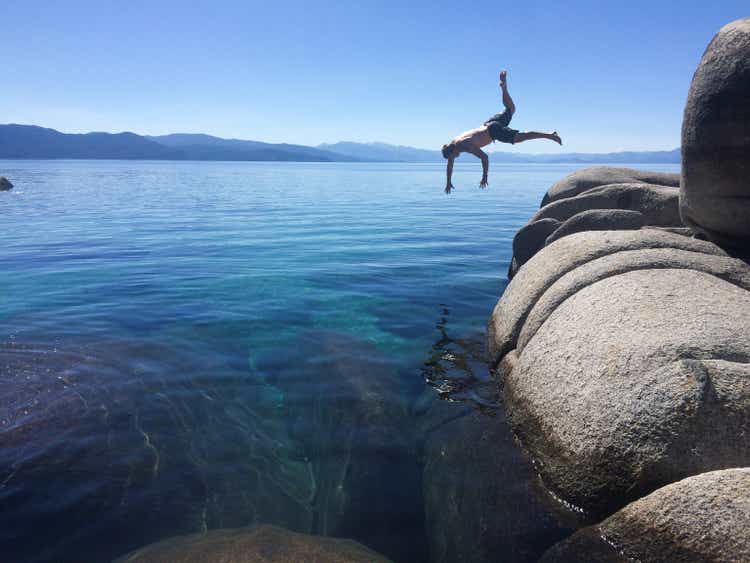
608,75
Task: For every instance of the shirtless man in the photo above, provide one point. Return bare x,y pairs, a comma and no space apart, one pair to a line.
494,129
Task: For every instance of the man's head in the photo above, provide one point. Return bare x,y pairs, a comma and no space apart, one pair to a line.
449,150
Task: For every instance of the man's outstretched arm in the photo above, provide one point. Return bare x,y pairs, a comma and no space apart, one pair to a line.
449,174
481,155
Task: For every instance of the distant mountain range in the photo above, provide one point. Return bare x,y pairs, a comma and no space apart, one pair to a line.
383,152
30,141
394,153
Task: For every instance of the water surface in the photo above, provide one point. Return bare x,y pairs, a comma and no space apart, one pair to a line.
187,346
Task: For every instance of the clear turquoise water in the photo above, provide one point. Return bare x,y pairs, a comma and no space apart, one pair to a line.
188,346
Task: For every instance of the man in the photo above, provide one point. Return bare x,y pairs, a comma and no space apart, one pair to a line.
494,129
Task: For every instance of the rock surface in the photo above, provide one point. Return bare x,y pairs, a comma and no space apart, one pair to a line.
553,262
599,198
5,184
633,382
715,195
267,544
583,180
657,204
702,518
598,220
531,237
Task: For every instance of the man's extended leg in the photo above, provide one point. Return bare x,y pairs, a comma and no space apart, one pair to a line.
522,136
507,100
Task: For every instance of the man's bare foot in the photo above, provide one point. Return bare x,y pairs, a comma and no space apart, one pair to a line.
555,137
503,76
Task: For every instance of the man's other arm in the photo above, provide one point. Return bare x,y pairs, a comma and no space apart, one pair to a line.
481,155
449,174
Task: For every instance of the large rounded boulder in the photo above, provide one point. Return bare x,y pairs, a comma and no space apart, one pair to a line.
702,518
263,544
715,188
625,363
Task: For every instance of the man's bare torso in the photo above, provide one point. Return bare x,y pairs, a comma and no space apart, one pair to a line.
479,137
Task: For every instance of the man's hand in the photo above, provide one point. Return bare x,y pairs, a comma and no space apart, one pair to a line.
448,188
483,183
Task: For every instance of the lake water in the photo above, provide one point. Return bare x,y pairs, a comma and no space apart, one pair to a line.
188,346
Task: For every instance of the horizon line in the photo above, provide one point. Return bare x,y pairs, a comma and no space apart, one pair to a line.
145,135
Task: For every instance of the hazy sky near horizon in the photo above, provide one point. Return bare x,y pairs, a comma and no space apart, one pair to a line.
608,76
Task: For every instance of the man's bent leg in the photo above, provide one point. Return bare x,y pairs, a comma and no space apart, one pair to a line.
507,100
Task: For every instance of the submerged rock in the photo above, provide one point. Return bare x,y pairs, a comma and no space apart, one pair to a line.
483,501
715,195
266,544
702,518
141,441
5,184
354,425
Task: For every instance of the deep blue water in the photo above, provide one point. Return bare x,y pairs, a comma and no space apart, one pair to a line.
187,346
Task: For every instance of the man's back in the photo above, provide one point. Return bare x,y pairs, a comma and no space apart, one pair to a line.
479,137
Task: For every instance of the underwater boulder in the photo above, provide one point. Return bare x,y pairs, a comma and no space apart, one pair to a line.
483,501
353,423
262,544
138,439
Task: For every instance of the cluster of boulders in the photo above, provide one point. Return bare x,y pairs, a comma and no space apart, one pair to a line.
623,340
5,184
